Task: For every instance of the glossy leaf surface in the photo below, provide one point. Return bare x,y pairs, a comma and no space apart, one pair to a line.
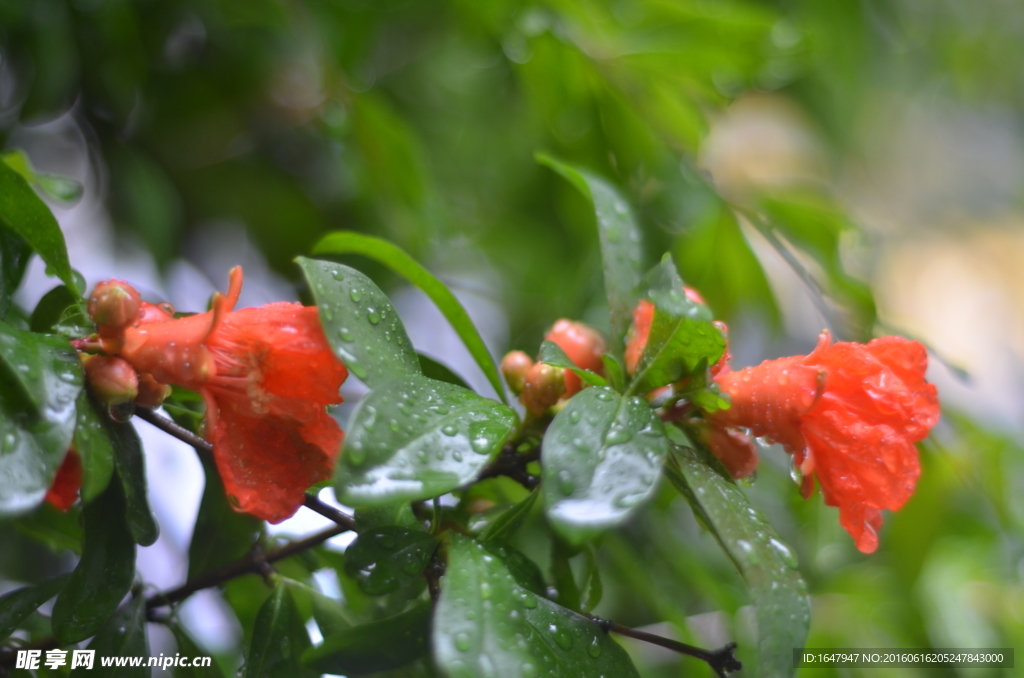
278,639
103,575
383,559
94,446
124,635
40,379
767,565
619,234
486,624
16,606
392,256
601,459
552,354
378,646
415,438
360,323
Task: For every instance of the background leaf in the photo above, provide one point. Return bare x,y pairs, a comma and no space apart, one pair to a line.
14,256
188,647
25,214
415,438
359,321
767,565
487,624
131,469
221,534
392,256
40,379
124,635
16,606
552,354
378,646
278,639
94,446
601,458
103,575
383,559
621,252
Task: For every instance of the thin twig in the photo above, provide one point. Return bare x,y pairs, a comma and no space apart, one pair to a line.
314,503
170,427
251,564
723,660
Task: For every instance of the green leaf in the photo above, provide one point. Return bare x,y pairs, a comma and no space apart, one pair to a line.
382,560
592,588
505,525
415,438
103,575
278,639
25,214
16,606
435,370
14,256
602,457
392,256
378,646
187,647
682,333
59,530
614,372
124,635
767,565
552,354
94,446
61,189
40,379
221,534
330,615
487,624
360,323
51,307
620,245
131,468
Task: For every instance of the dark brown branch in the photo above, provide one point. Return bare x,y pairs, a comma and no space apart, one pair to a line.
313,503
170,427
512,463
251,564
723,660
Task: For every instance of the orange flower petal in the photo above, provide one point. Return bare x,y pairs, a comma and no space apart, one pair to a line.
67,482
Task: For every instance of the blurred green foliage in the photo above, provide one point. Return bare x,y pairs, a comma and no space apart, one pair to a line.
419,122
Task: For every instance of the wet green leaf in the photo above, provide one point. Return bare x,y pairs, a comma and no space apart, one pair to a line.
392,256
103,575
187,647
487,624
331,615
378,646
40,379
16,606
51,307
94,446
22,211
124,635
221,534
415,438
278,639
682,333
505,525
435,370
360,323
767,565
131,469
620,244
383,559
601,459
61,189
49,525
552,354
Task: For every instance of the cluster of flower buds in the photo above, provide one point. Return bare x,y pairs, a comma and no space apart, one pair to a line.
116,306
541,386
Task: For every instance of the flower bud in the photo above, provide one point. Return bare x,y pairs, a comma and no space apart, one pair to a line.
114,305
543,386
151,392
112,380
514,367
734,448
643,316
583,345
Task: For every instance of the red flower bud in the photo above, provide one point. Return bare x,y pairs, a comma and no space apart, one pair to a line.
151,392
643,316
850,415
113,306
543,386
733,447
67,483
583,345
514,367
112,380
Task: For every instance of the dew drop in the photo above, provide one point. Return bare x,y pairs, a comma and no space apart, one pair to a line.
485,590
594,649
574,417
563,638
529,601
604,395
462,641
528,670
355,295
456,455
328,315
787,555
345,334
355,453
449,430
565,483
10,439
618,436
372,316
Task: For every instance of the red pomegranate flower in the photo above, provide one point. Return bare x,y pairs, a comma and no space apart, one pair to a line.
266,375
67,483
850,415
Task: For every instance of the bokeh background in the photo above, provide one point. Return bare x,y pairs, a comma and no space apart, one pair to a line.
852,164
